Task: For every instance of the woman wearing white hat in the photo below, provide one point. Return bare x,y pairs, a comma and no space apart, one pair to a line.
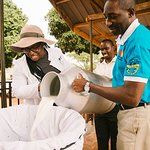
43,126
39,59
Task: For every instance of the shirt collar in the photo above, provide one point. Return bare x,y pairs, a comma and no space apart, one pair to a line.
121,40
112,61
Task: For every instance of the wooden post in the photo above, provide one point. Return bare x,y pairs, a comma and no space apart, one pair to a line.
91,52
2,57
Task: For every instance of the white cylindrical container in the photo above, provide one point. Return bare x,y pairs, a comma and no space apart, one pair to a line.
58,86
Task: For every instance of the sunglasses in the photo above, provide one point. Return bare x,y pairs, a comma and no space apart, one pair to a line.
34,48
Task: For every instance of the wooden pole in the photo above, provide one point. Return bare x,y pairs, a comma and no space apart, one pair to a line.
91,52
2,57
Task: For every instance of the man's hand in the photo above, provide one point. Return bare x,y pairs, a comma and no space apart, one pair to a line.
79,83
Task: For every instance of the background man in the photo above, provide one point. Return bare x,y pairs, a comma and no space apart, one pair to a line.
106,124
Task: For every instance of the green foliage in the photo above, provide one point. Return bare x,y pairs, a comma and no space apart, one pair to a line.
83,59
57,25
68,41
14,20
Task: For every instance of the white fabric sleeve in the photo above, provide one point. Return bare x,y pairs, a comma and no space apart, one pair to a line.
24,85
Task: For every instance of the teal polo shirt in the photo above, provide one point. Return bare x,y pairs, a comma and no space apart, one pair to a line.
133,61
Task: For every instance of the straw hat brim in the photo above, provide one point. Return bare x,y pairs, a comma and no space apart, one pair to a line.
27,42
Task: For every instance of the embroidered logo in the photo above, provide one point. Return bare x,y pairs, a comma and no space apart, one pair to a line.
121,53
133,66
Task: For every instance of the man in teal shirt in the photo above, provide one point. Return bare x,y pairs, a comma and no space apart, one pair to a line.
131,76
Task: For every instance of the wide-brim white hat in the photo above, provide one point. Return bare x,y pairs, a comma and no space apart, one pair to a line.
29,35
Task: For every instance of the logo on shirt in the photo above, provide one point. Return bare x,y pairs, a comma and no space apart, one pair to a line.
121,53
60,59
133,66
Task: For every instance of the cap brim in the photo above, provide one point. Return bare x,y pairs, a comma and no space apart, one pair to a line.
27,42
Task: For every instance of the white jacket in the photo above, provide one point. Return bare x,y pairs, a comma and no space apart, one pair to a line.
59,129
25,85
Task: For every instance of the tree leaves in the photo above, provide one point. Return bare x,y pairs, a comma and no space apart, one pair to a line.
14,20
68,41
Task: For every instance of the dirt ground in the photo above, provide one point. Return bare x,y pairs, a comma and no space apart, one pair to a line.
90,141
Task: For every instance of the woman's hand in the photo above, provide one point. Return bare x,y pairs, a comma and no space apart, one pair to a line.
79,83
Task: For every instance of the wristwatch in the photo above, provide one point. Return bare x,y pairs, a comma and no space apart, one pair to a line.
87,87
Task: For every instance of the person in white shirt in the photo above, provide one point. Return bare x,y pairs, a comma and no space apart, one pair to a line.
105,66
38,59
106,124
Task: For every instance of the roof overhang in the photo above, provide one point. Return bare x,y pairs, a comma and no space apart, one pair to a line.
78,14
